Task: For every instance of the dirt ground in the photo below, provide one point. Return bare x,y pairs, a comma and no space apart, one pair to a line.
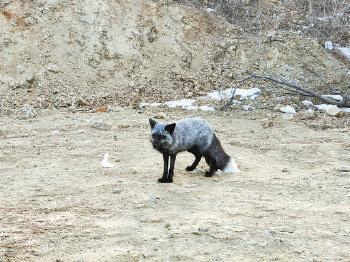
289,203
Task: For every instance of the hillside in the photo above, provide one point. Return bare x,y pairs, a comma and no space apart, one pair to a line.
87,53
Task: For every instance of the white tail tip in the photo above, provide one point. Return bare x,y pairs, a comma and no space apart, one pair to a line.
231,167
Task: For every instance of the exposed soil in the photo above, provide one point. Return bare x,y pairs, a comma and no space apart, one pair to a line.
289,203
68,54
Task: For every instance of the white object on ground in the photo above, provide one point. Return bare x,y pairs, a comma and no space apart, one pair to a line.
231,167
332,110
345,51
188,105
144,104
206,108
288,110
328,45
105,163
210,10
307,103
239,93
345,109
184,103
334,97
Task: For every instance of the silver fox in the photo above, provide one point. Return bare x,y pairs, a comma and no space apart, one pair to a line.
195,136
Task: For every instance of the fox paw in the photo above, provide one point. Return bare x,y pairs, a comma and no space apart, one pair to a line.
165,180
190,168
209,174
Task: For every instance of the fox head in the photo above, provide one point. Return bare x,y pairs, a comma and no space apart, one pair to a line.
161,135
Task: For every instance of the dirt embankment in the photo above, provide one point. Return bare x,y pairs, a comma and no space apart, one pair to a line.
72,54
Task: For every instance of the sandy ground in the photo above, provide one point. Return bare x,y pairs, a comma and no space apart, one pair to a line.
289,203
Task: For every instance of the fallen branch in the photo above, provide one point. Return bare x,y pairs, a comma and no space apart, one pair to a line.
304,92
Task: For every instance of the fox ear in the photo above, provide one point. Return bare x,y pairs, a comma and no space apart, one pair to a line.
170,128
152,123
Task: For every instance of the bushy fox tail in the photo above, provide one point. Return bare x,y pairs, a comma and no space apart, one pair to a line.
220,159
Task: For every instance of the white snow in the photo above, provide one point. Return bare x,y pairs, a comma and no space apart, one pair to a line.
345,51
210,10
184,103
144,104
288,110
188,105
105,163
206,108
345,109
332,109
328,45
334,97
239,93
307,103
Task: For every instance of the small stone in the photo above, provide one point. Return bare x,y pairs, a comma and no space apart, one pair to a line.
116,191
216,179
101,126
203,229
344,169
189,94
284,170
307,103
160,115
288,110
101,109
167,225
123,126
53,68
28,111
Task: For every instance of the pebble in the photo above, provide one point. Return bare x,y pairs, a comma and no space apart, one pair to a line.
287,110
344,169
160,115
116,191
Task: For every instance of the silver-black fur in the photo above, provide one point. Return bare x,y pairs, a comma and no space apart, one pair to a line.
193,135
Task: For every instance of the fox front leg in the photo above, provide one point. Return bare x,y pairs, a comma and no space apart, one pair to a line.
171,169
164,178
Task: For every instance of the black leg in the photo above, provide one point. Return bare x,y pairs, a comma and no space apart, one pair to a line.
198,157
171,169
212,166
195,163
164,178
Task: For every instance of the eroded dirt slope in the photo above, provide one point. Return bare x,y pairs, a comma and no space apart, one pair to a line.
77,53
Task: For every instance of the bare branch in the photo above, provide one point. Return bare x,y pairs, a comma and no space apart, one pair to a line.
303,91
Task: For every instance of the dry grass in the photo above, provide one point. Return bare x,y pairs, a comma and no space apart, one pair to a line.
325,19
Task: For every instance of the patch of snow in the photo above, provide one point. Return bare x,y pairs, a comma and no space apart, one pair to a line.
184,103
239,93
206,108
288,110
144,104
188,105
345,109
334,97
210,10
307,103
332,110
328,45
105,163
248,107
345,51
